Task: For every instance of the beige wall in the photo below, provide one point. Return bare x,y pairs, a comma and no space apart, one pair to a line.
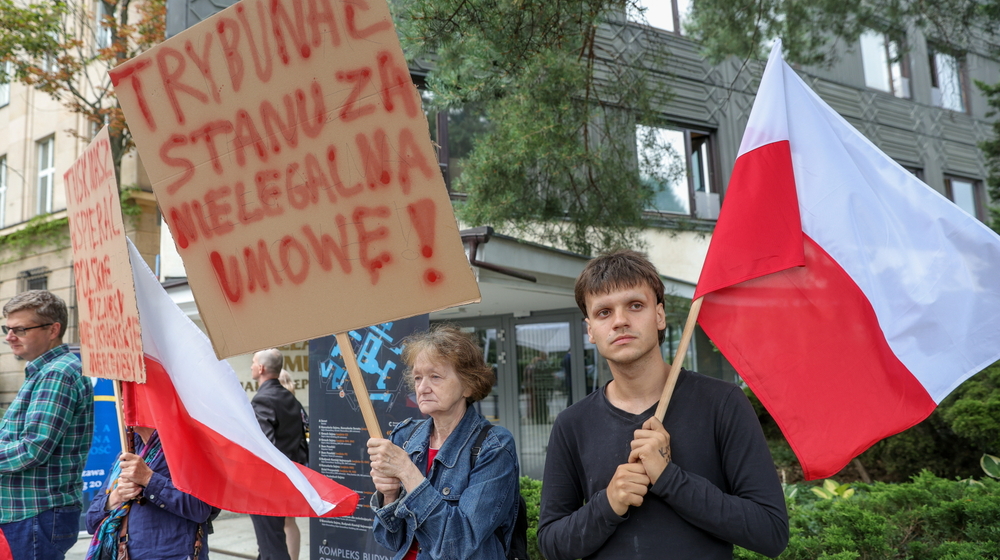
677,254
31,116
60,282
296,358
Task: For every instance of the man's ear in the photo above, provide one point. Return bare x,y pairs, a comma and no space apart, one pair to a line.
590,335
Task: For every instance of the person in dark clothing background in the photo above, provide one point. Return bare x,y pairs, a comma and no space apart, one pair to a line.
620,484
281,419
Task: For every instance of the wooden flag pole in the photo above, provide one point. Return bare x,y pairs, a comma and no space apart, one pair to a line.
675,368
360,388
124,433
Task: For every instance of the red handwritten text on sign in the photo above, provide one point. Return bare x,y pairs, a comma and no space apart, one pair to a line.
110,340
292,162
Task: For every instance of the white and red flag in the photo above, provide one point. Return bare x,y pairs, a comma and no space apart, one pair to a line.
850,296
211,438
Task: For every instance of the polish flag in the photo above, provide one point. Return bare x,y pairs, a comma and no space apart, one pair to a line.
211,438
5,553
850,296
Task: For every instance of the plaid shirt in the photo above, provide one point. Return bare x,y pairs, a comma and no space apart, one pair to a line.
45,437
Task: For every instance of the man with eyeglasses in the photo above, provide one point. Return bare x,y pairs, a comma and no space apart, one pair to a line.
45,435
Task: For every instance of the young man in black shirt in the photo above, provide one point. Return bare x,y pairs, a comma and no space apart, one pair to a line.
617,482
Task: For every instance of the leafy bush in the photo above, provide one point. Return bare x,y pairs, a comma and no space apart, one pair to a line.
973,409
833,491
531,491
929,518
991,465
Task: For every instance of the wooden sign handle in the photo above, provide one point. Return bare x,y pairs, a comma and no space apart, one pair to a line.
360,388
124,434
675,368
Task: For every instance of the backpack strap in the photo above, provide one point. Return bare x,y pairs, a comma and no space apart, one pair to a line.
478,445
476,448
413,429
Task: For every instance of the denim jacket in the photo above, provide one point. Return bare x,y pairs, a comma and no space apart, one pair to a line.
454,513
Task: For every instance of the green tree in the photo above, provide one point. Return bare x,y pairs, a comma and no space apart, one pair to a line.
562,95
65,50
991,151
810,29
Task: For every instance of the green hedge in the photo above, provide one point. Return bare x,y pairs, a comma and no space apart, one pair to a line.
929,518
531,491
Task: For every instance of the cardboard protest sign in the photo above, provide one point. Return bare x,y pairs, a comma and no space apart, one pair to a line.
291,160
110,339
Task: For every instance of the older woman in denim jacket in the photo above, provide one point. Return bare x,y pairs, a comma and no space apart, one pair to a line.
429,501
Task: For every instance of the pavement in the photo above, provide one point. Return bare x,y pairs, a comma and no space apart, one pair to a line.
233,538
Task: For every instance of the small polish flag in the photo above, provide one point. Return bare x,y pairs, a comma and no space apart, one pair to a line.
850,296
214,446
5,553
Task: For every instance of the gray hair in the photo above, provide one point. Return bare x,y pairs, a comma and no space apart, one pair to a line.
46,305
450,345
270,360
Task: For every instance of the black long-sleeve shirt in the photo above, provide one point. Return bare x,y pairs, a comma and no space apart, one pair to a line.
720,488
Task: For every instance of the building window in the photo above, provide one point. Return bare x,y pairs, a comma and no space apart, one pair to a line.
33,279
455,131
46,175
915,171
102,33
8,76
677,165
668,15
47,63
885,66
3,191
967,194
948,81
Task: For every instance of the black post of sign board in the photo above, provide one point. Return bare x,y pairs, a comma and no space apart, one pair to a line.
338,437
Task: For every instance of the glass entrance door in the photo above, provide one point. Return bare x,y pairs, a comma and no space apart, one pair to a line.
544,373
541,366
486,336
489,332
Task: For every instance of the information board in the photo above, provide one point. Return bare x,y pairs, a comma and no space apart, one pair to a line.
338,438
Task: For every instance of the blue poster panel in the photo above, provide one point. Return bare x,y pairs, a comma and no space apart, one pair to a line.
106,445
338,437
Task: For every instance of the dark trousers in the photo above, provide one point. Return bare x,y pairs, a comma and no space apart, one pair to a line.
270,537
46,536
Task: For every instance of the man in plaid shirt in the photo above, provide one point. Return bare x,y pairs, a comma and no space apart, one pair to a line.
45,434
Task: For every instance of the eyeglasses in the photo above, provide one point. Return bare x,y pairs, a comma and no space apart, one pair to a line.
20,331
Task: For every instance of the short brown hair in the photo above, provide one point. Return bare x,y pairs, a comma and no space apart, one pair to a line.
448,344
618,270
46,305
